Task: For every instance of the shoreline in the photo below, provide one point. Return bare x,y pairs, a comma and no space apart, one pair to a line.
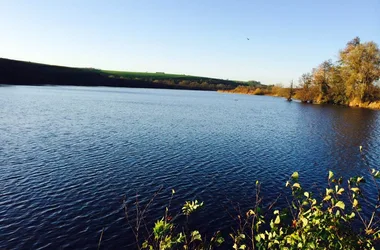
375,105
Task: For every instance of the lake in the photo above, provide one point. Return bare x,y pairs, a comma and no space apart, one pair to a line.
68,156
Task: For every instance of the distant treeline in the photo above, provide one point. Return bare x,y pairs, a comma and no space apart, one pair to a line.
353,80
26,73
250,90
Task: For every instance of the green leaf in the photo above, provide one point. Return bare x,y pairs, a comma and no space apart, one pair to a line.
145,244
340,191
355,189
331,175
296,185
190,207
355,203
327,197
337,214
329,191
250,212
294,205
276,212
180,238
277,220
161,228
219,240
235,246
340,204
173,191
306,194
377,175
195,235
304,221
295,176
287,184
352,215
257,238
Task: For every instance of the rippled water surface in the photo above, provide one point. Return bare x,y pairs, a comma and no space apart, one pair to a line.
68,155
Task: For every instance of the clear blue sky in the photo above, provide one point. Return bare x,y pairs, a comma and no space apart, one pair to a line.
197,37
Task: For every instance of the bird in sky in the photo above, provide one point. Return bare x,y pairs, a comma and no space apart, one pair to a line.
247,38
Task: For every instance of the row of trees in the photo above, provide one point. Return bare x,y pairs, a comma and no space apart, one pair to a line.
353,78
201,84
248,90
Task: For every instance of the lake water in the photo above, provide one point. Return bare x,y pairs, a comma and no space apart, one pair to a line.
68,155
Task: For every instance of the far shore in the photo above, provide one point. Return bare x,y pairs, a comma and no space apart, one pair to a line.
375,105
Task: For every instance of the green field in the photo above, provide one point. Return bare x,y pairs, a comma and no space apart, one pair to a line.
28,73
152,75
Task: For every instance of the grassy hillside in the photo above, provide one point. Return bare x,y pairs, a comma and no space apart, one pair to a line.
27,73
148,75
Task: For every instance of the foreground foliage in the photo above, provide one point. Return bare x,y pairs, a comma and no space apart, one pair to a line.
335,219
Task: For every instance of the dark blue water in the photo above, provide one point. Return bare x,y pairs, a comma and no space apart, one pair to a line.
68,155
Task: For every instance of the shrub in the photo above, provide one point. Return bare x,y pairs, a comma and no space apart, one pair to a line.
310,222
258,91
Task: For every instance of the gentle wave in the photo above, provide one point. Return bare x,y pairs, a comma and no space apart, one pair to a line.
69,155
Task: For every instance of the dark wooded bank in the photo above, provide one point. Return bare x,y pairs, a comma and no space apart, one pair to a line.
15,72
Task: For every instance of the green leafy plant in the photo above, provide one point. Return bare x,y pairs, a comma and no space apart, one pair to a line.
166,237
191,206
332,219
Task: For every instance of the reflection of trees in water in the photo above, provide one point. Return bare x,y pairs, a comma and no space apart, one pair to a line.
330,136
333,135
344,130
352,128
